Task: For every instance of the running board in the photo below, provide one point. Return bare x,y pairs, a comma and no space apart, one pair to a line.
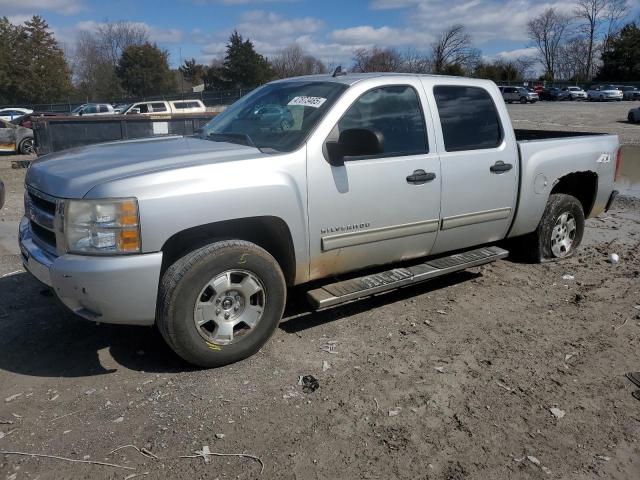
357,288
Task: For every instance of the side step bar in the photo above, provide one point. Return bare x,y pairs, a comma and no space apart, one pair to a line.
357,288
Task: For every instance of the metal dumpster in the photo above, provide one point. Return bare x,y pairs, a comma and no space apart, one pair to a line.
61,132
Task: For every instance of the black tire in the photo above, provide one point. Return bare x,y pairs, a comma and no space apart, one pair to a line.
27,146
631,118
182,285
523,100
537,246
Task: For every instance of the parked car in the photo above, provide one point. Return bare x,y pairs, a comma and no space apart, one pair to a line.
14,138
518,94
629,93
203,235
603,93
27,120
11,113
634,115
92,109
274,116
120,107
554,94
575,93
164,107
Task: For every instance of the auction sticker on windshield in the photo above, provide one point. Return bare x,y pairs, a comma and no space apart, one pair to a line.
315,102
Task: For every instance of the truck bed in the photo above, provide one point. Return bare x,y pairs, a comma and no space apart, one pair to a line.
528,135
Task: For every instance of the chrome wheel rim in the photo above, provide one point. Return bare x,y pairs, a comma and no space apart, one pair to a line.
28,147
229,307
563,235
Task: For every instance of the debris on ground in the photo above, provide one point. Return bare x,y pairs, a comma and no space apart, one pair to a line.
13,397
556,412
329,347
310,384
395,412
439,369
613,259
325,366
568,277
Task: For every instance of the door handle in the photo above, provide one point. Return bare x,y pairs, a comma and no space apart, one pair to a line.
419,177
500,167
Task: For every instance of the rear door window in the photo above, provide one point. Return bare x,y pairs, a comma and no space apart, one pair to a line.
469,118
104,109
159,107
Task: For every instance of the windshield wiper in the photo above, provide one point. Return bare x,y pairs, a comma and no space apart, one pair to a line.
241,138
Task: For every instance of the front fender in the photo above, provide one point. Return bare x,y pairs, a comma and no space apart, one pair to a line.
176,200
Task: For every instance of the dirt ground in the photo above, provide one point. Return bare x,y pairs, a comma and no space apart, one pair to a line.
453,379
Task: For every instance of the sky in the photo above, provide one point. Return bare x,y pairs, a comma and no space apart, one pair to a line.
328,29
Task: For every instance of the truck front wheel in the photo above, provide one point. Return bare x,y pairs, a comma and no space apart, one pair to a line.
221,303
559,232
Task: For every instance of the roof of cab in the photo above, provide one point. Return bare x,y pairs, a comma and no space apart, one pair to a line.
352,78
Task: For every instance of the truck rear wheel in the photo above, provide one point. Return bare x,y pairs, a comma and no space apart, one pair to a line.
559,232
221,303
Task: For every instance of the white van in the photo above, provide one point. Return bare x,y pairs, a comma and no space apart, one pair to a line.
162,107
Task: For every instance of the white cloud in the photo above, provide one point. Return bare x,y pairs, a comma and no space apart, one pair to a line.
368,36
485,20
269,32
37,7
517,53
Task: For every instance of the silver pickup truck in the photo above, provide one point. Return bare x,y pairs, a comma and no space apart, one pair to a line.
308,180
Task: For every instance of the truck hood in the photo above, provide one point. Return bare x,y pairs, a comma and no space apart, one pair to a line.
72,173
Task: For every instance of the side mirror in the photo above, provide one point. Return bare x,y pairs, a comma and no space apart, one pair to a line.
133,111
81,112
355,142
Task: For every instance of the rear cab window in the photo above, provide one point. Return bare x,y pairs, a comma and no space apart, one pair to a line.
469,118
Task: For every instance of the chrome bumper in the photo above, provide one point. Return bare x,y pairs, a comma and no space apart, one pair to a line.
118,289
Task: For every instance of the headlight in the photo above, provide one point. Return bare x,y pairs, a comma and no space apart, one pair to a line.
102,226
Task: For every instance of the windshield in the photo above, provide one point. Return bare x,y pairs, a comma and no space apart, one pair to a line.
77,109
277,116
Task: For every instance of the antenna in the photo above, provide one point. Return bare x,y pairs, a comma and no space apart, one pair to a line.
338,72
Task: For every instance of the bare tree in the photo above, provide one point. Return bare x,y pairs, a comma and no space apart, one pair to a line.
415,62
115,37
547,32
573,57
453,50
96,56
615,12
377,60
292,61
590,13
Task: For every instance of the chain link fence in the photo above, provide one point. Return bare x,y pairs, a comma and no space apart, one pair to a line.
212,98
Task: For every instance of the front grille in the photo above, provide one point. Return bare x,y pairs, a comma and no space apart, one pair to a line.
43,234
40,209
46,205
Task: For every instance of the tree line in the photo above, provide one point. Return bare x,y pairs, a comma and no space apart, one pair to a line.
118,59
585,43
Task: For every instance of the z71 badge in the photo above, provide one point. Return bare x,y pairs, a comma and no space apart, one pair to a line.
604,158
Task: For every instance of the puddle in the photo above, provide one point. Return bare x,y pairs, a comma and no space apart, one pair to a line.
629,182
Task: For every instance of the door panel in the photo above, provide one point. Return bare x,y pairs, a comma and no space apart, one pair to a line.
372,210
7,137
480,167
